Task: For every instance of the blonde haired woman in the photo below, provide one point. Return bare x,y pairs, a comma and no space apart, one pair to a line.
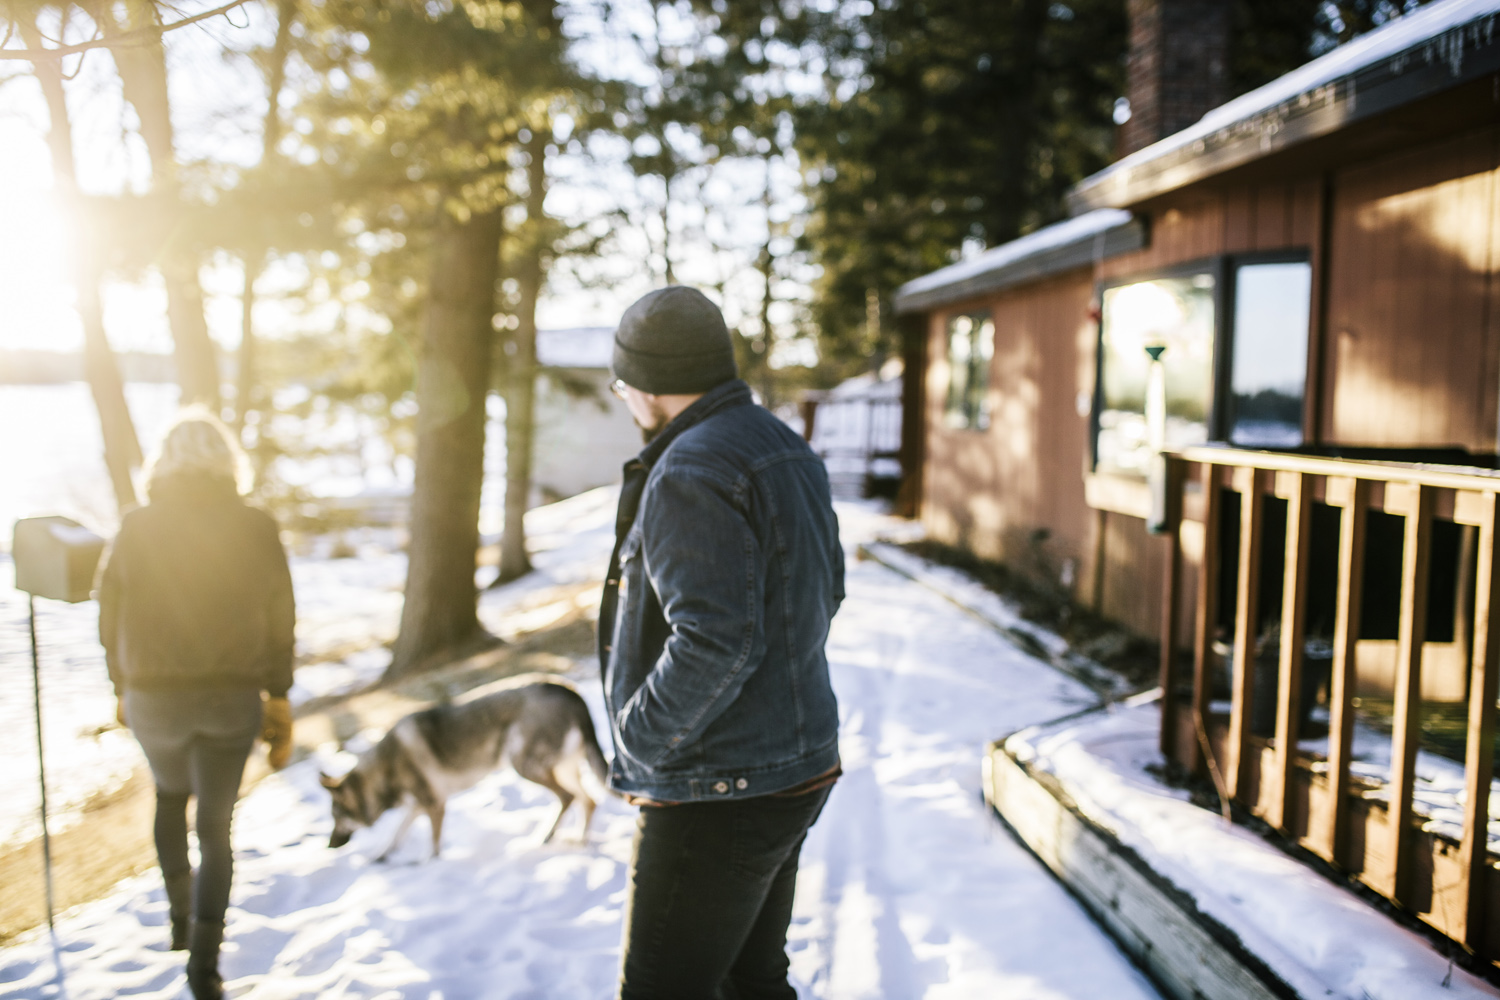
195,613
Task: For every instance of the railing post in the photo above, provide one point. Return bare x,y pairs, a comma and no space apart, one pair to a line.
1461,904
1248,481
1207,613
1289,683
1406,713
1480,752
1341,682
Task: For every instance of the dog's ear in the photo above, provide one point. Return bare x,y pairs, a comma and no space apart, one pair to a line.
328,782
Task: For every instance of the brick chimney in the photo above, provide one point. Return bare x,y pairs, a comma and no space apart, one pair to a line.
1177,69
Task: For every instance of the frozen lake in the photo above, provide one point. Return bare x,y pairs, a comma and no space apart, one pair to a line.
52,453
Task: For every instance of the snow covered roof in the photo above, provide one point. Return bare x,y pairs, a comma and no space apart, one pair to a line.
868,387
578,347
1058,247
1422,53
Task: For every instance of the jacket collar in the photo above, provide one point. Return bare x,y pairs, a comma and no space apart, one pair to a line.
735,392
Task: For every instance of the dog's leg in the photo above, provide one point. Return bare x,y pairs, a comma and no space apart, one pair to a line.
589,805
533,770
565,799
569,775
435,816
406,822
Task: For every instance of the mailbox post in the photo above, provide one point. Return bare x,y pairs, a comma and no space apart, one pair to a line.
55,558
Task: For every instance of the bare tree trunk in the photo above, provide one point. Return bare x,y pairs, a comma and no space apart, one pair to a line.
453,378
256,258
666,234
244,391
760,350
143,73
520,390
668,154
122,449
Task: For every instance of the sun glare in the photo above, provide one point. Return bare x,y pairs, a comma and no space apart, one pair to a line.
36,299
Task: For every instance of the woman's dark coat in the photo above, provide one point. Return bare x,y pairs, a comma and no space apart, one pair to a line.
196,594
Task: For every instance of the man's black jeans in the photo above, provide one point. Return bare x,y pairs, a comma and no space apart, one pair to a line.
710,898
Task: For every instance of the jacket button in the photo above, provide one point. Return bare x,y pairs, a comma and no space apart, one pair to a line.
721,787
742,784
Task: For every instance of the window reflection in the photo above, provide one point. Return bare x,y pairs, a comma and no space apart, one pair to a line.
971,346
1272,303
1177,313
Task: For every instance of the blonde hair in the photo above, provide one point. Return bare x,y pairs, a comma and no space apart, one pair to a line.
199,445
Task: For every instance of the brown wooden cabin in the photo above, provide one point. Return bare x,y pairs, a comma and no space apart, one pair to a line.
1319,258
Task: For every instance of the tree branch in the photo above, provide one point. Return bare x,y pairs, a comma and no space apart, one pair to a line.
140,37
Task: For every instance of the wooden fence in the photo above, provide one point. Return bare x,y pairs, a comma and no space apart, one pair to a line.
1368,832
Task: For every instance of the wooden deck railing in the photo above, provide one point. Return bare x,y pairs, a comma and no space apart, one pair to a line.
1308,796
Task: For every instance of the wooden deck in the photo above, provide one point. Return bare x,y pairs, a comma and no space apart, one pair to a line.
1373,834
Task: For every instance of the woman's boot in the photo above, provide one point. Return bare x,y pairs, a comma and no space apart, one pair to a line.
180,906
203,960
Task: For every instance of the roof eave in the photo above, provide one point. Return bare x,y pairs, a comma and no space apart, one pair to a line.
1043,264
1438,63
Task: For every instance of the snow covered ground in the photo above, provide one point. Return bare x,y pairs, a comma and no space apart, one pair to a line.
77,702
1438,795
908,887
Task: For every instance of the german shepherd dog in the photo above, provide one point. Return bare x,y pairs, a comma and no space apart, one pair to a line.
537,724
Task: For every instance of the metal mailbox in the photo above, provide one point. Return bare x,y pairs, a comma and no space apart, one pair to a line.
56,558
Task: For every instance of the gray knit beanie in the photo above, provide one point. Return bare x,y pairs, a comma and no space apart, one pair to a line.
671,341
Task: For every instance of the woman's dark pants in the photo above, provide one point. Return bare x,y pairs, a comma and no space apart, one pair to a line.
197,744
710,898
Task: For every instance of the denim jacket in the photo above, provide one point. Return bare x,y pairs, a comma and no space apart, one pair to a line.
726,572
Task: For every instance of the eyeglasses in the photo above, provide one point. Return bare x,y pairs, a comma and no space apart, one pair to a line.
618,387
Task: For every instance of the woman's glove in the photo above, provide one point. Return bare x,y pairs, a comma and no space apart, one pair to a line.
276,730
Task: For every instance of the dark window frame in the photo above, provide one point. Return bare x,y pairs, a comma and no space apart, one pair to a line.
1223,387
1223,269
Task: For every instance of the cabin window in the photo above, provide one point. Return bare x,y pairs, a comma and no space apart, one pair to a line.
1268,382
971,347
1175,313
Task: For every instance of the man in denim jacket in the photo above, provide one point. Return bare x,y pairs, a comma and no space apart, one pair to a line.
726,572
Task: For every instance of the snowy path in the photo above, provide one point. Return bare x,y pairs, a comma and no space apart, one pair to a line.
908,889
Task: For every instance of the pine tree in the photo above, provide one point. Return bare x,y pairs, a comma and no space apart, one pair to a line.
421,119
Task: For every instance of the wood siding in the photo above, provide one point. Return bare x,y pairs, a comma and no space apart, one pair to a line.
1195,225
1130,591
1014,492
1411,356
